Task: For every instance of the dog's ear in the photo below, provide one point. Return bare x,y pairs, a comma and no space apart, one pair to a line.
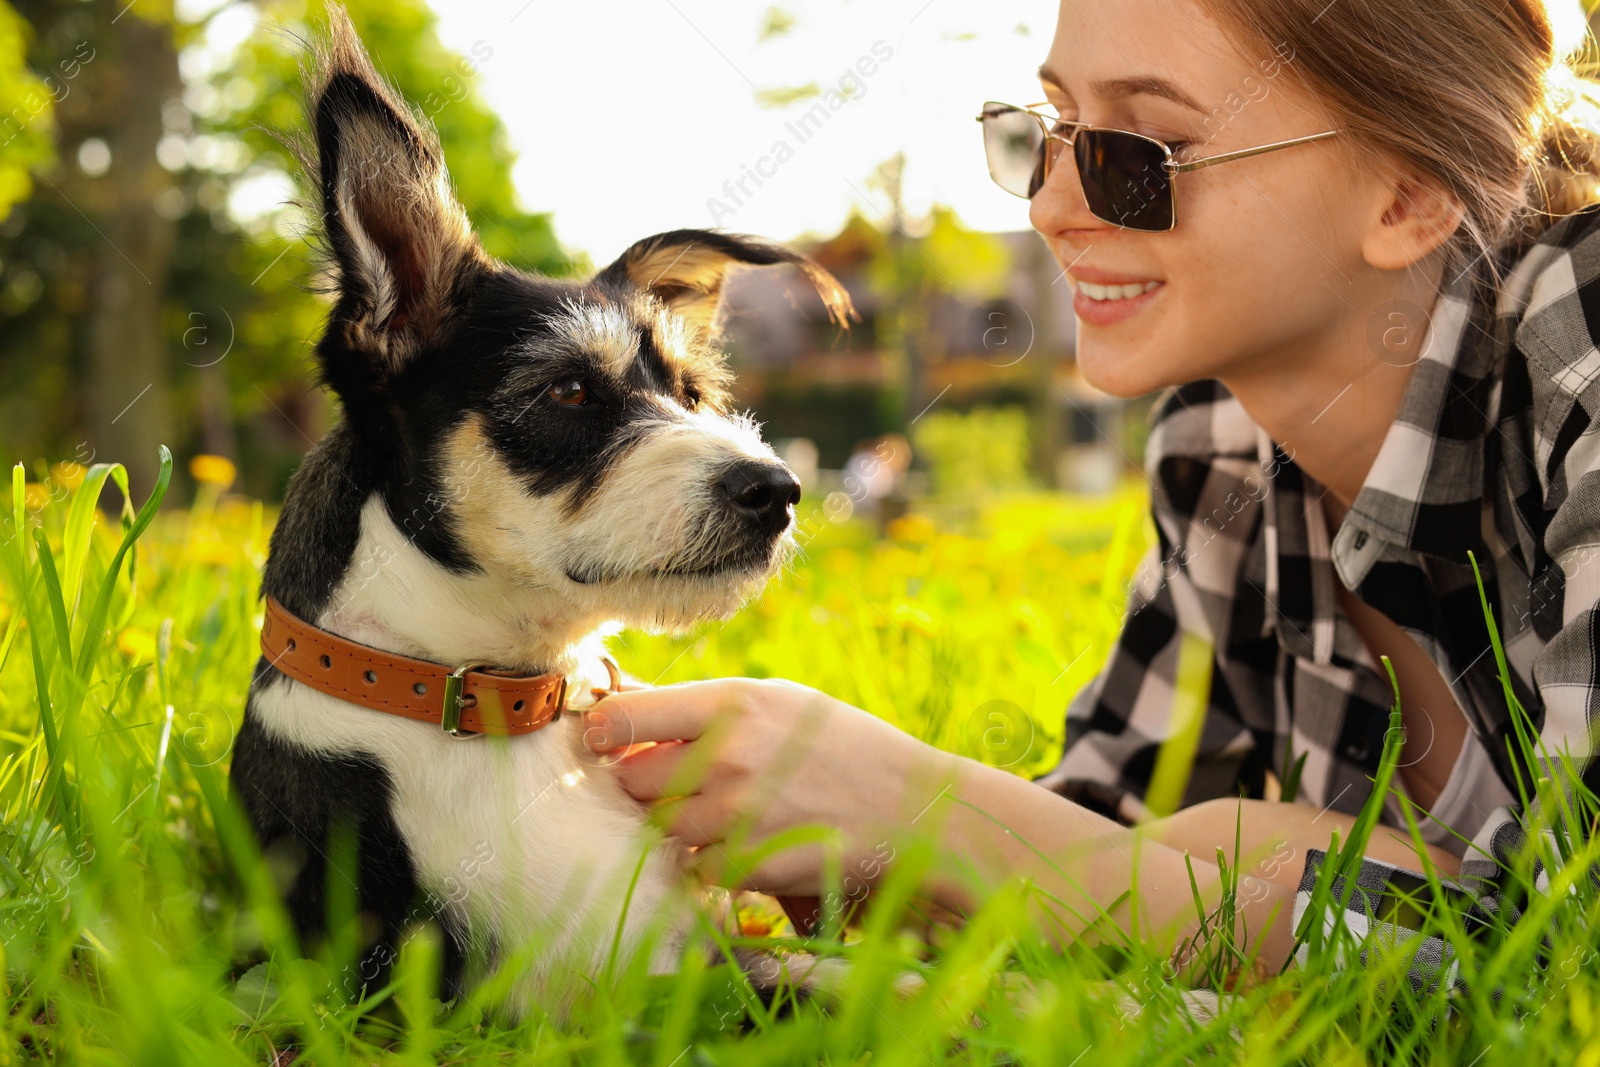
399,240
685,270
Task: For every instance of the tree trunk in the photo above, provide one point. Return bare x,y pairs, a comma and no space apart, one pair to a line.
129,410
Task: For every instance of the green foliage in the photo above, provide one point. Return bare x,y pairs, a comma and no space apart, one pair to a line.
783,96
971,454
947,257
775,22
26,103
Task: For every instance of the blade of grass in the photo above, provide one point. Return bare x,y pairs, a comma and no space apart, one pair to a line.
81,516
95,631
1343,861
163,651
1191,694
1290,786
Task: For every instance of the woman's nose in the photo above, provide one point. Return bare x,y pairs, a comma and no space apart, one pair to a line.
1059,206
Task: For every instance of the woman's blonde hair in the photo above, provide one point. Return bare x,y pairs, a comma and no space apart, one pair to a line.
1488,97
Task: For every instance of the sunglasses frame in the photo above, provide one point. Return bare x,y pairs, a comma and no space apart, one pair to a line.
1171,166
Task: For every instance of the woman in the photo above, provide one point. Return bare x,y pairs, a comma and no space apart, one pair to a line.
1377,356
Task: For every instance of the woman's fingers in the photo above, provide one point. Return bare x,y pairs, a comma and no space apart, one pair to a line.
652,772
691,820
670,713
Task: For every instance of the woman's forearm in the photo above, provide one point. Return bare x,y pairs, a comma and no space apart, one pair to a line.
997,827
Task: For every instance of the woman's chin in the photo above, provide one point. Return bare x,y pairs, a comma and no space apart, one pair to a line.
1127,375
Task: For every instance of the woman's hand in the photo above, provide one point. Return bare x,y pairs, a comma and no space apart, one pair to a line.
739,760
733,762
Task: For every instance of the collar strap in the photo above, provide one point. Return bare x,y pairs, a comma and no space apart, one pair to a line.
468,701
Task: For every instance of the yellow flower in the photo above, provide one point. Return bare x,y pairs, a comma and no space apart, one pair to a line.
913,527
68,473
1029,617
213,470
137,644
214,552
910,617
839,561
36,496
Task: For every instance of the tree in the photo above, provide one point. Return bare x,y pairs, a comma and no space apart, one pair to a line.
945,257
25,111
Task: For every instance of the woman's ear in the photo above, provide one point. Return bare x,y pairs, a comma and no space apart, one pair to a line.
1413,217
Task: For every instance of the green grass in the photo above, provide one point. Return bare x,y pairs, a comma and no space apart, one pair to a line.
136,912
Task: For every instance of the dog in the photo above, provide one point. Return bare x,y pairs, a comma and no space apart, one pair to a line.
522,465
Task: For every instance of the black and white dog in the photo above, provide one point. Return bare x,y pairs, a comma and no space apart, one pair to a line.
522,463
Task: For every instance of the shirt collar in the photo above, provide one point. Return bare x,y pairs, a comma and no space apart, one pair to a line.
1397,508
1424,491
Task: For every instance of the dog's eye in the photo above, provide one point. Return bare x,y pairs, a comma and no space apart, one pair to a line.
572,393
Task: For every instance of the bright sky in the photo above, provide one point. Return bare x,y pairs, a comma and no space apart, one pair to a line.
629,115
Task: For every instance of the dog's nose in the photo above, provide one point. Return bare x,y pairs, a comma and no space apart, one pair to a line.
763,491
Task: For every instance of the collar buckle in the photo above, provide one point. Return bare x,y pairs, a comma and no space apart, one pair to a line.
455,701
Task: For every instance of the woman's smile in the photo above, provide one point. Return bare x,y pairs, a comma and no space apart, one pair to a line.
1103,299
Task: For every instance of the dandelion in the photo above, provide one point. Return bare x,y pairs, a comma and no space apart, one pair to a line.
136,644
910,617
918,529
212,552
213,470
68,473
1029,617
839,561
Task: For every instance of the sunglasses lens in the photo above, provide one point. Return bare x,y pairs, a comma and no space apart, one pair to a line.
1125,181
1011,141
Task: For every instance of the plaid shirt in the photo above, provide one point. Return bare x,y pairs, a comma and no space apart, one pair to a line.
1496,450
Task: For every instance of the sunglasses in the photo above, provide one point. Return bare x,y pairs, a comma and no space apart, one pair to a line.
1127,178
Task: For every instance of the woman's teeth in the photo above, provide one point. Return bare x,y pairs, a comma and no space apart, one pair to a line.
1115,292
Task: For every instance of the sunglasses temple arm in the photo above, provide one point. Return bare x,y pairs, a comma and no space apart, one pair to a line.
1196,164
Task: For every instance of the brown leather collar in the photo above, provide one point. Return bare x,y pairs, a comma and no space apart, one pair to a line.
469,701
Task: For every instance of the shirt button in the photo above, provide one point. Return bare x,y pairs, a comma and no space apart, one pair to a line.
1361,539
